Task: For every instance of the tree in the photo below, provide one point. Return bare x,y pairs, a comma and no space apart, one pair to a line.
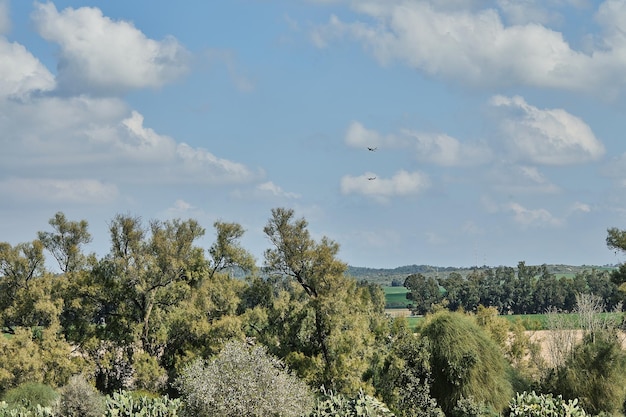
465,362
65,243
319,320
243,380
404,377
226,252
26,297
594,369
424,292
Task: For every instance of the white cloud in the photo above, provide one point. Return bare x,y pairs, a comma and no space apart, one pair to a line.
545,136
435,148
20,72
475,47
580,207
445,150
45,190
102,56
272,189
402,184
358,136
532,218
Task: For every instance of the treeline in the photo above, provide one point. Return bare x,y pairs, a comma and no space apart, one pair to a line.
159,315
522,290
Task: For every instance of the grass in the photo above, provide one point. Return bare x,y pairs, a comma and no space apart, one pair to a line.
395,297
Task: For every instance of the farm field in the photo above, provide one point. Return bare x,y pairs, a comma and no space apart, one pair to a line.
396,305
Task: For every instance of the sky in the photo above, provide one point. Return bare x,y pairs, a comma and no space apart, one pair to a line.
497,126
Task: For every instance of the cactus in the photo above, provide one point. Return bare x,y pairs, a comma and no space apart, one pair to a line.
124,404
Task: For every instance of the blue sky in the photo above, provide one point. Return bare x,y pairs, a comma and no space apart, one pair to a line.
497,124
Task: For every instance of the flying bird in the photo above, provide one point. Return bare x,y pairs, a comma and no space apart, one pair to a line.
371,178
372,149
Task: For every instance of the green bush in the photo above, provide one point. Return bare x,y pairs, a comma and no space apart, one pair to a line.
30,395
595,373
337,405
11,411
529,404
243,381
125,403
80,399
465,363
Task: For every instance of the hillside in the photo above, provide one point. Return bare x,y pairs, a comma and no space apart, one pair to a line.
387,276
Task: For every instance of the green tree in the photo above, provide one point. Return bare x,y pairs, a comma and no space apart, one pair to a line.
243,381
227,251
26,289
465,362
65,243
320,320
423,291
404,377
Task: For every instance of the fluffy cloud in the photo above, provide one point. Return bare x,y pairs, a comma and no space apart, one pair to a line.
474,46
20,72
532,218
45,190
102,56
445,150
544,136
274,190
439,149
402,184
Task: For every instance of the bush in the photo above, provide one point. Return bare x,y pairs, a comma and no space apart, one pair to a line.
125,403
337,405
529,404
30,395
465,363
80,399
243,381
595,372
38,411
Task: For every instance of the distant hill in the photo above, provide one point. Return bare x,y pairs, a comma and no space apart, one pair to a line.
386,276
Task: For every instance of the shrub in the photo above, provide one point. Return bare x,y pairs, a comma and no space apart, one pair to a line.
337,405
465,363
126,403
529,404
595,372
38,411
243,381
29,395
80,399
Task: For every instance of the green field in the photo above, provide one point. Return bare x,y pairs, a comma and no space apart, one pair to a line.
396,297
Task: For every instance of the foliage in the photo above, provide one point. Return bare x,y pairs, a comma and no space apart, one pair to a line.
468,407
243,381
125,403
423,292
80,399
465,362
29,395
404,378
592,369
595,372
66,241
7,410
530,404
319,320
337,405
